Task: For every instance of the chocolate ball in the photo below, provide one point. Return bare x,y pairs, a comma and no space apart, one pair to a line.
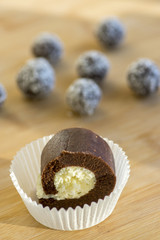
3,95
93,65
83,96
143,77
110,32
36,78
48,46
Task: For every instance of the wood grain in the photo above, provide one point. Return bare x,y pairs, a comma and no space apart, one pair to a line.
130,121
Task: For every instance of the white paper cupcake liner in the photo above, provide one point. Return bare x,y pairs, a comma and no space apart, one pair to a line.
24,170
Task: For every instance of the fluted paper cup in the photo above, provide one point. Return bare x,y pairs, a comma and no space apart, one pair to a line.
24,170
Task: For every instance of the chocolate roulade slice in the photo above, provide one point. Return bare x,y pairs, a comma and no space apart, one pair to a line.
77,168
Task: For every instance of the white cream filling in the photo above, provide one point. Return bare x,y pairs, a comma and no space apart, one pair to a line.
70,182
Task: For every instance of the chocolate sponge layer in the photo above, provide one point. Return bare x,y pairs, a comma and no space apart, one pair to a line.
77,147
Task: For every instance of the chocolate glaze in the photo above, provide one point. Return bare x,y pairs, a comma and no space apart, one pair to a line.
77,147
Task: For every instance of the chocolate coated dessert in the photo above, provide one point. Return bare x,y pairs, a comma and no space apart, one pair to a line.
77,168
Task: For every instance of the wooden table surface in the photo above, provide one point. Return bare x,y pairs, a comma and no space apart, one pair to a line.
132,122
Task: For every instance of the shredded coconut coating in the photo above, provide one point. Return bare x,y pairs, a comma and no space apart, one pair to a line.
83,96
48,46
110,32
143,77
93,64
3,95
36,78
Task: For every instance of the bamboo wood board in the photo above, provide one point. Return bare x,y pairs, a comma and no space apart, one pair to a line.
132,122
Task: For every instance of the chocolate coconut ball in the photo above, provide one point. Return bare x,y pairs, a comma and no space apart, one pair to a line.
110,32
48,46
94,65
36,78
83,96
143,77
3,95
